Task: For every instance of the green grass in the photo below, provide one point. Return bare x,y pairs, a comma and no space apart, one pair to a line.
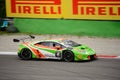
69,27
6,33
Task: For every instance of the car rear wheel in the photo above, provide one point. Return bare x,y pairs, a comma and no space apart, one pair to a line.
25,54
68,56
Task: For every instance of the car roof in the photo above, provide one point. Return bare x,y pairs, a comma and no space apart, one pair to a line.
51,40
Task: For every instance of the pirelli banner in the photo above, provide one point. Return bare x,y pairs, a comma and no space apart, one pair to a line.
67,9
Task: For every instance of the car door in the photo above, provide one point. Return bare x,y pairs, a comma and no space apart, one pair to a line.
47,48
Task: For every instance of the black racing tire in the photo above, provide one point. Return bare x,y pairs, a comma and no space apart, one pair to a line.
25,54
68,56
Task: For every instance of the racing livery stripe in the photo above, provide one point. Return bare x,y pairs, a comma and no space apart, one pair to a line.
46,53
38,53
41,53
35,51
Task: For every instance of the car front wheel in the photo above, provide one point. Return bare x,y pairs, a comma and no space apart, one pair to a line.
68,56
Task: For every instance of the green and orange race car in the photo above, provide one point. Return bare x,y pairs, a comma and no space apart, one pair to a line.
61,49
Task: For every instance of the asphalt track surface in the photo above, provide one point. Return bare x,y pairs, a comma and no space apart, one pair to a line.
105,68
13,68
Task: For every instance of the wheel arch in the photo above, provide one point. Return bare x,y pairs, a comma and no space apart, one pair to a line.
22,55
63,53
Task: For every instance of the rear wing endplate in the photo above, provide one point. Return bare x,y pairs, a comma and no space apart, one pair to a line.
23,39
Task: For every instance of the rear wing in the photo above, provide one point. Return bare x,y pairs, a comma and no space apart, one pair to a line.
24,38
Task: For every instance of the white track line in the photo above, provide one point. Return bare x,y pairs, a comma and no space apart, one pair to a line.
118,57
99,56
8,53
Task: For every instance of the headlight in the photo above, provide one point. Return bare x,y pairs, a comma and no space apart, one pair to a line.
83,52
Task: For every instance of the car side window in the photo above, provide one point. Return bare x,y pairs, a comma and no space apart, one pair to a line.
51,44
44,44
57,44
47,44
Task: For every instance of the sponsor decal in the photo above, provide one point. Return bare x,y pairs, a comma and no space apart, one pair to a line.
39,6
96,9
46,53
68,9
34,8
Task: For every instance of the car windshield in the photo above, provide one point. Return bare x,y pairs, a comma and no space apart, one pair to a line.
70,43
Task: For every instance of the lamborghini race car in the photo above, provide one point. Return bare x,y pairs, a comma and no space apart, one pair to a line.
61,49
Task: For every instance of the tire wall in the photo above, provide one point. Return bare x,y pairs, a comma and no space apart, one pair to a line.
72,27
